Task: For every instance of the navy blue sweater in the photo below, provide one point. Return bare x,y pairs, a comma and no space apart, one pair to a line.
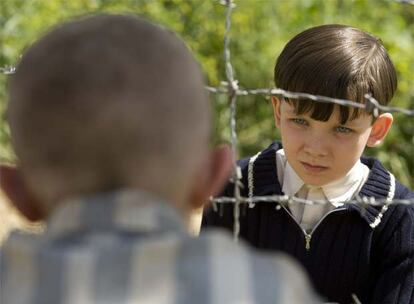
368,252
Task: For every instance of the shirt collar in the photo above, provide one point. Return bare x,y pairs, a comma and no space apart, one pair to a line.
344,188
288,179
291,182
335,192
124,210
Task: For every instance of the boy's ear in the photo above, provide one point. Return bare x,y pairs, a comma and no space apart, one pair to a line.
213,176
16,190
276,103
379,130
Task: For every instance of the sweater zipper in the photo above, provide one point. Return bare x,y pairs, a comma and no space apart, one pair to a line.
308,236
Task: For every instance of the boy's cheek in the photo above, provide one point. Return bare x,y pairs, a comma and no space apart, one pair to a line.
291,137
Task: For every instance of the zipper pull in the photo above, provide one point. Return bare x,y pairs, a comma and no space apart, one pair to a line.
308,238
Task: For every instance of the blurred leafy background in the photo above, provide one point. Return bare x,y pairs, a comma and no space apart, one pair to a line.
260,29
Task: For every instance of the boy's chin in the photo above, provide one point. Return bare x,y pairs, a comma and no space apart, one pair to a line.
314,181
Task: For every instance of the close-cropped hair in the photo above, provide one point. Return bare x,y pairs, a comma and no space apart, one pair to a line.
107,101
337,61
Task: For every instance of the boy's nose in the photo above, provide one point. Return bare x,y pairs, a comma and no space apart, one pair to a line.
315,146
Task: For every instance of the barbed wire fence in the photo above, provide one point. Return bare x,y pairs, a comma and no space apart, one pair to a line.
230,87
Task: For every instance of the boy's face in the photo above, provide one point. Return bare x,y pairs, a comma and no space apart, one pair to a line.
321,152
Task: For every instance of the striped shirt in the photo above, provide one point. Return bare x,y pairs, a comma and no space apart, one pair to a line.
130,247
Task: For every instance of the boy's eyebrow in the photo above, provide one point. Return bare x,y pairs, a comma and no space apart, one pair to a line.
350,122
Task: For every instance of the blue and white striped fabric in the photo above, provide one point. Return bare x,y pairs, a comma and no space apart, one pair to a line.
129,247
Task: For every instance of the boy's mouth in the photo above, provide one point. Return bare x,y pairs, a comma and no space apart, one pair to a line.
313,168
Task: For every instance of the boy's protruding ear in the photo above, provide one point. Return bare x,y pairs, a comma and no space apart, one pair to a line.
213,176
16,190
276,103
379,130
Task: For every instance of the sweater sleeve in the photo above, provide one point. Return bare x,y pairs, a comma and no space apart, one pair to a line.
393,279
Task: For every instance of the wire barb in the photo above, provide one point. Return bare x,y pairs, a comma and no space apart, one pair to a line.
371,105
228,3
405,1
7,70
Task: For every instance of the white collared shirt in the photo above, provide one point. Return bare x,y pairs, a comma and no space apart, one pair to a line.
336,192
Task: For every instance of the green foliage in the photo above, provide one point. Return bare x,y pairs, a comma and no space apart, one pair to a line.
260,29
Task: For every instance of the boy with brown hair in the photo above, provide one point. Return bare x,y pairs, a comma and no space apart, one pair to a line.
346,249
110,121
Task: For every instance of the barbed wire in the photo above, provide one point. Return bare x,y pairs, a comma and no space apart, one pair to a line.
232,89
287,200
7,70
371,105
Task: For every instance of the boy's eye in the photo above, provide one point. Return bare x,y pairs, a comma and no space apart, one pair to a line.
342,129
299,121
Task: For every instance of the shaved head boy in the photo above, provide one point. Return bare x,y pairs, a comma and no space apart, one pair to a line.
120,88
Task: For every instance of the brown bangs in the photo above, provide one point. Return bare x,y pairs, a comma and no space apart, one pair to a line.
322,111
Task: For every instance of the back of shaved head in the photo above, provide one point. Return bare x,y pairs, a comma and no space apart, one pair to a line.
105,102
